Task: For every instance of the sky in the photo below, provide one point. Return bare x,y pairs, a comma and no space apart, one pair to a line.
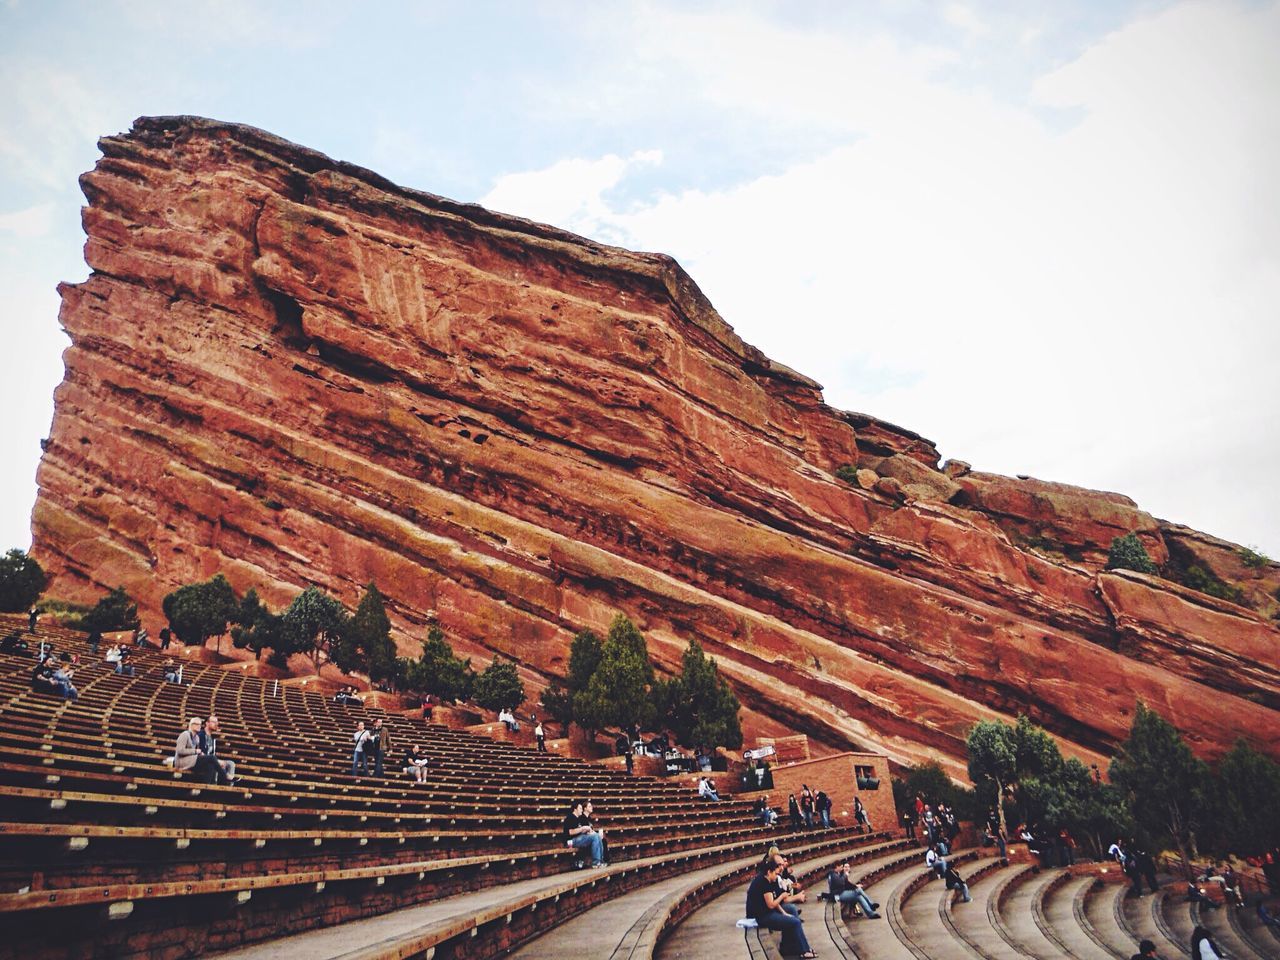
1044,235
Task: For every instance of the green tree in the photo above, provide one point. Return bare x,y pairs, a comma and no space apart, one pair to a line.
115,611
1128,553
257,628
22,580
1162,782
584,656
993,762
199,611
499,686
698,704
313,625
1247,801
369,637
1005,760
557,703
620,690
437,671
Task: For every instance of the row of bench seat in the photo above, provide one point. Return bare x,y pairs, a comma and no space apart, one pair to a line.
96,826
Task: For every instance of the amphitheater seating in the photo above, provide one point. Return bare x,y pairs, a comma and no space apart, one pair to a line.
95,825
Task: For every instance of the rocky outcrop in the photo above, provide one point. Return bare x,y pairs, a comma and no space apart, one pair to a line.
289,370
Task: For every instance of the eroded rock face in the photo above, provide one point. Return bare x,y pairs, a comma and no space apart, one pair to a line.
289,370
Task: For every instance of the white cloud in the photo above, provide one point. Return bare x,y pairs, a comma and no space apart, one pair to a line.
32,222
571,193
963,17
1095,304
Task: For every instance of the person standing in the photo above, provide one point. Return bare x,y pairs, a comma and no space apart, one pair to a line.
909,824
359,757
541,736
166,637
806,805
380,745
860,815
32,615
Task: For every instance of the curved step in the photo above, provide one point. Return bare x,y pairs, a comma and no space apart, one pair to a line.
1144,920
1177,918
879,939
1226,931
1015,917
1265,941
973,922
1062,922
1098,907
930,919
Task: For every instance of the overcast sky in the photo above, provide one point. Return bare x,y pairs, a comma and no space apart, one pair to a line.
1046,236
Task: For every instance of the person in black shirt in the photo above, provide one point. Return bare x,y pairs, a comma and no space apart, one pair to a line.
765,901
1146,951
577,833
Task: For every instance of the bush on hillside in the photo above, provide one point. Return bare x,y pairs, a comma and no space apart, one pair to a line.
1128,553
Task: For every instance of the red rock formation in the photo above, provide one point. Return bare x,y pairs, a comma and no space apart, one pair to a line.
292,371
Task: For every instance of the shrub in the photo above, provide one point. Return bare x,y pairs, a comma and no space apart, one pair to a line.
1253,558
1206,581
848,473
1128,553
21,581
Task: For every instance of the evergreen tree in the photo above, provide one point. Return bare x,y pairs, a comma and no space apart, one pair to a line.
1247,801
698,704
620,690
584,658
1161,780
557,703
314,625
499,686
22,580
115,611
437,671
369,636
199,611
1128,553
257,628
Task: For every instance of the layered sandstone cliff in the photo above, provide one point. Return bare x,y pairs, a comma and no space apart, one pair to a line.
289,370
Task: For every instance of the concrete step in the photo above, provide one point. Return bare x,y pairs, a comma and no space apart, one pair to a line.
1060,921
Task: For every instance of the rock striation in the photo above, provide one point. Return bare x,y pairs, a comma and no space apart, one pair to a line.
290,370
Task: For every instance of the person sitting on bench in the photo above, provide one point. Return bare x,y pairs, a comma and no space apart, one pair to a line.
766,905
848,893
224,770
415,764
188,754
578,834
13,643
707,789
